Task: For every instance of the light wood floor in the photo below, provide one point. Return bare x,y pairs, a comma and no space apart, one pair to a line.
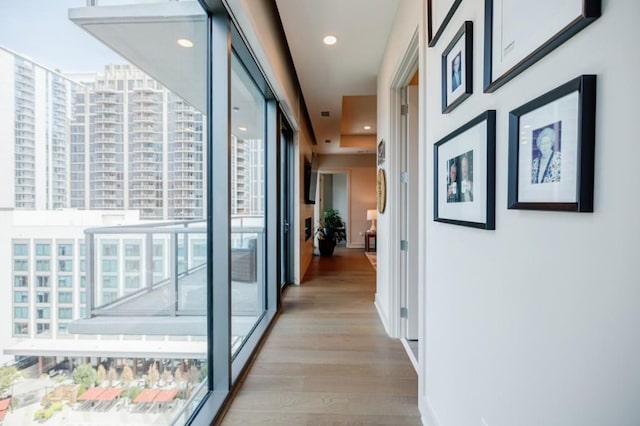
328,360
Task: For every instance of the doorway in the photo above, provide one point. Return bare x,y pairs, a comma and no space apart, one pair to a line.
333,193
405,259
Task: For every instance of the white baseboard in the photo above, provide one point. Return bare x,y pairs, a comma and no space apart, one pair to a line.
381,314
355,245
410,354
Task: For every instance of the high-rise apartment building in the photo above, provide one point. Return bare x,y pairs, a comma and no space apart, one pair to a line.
136,145
36,104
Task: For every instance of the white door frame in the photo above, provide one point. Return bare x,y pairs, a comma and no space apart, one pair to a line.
406,70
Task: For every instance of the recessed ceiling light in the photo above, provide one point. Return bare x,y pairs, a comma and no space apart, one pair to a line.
185,42
242,129
367,127
330,40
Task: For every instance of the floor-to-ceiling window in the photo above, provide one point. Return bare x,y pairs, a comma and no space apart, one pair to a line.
137,230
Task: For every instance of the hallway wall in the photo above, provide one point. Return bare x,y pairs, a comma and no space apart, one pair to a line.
537,322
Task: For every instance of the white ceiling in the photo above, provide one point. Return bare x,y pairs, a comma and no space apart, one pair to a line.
348,68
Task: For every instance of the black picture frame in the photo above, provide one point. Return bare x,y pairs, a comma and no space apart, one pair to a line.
381,152
460,51
569,114
591,10
474,142
434,34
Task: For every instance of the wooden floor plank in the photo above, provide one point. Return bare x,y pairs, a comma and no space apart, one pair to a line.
328,360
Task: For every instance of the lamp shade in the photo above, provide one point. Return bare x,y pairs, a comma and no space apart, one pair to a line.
372,214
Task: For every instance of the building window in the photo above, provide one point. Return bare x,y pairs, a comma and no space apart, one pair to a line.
65,281
43,265
42,281
158,250
65,250
83,282
110,282
132,250
43,328
65,313
62,327
42,297
20,249
20,265
65,297
43,250
109,249
109,265
109,296
20,281
43,313
64,265
21,312
20,329
21,297
132,282
132,266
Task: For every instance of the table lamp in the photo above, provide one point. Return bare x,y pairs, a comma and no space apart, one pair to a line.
372,215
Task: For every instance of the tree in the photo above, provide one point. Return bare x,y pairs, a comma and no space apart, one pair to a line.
8,375
167,376
112,376
102,373
127,375
85,375
152,375
179,375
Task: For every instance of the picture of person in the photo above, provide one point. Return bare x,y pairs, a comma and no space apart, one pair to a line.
456,72
452,182
546,159
466,185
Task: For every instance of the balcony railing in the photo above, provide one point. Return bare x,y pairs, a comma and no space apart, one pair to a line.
165,276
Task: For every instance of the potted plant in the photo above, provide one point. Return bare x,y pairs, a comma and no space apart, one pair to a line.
330,231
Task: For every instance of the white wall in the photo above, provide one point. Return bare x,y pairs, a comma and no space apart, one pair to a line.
537,322
339,193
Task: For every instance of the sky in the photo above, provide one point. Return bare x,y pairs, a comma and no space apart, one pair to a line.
41,30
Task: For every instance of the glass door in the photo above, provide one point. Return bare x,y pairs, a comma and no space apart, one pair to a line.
286,198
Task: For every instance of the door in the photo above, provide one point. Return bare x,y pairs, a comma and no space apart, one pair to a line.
409,212
286,204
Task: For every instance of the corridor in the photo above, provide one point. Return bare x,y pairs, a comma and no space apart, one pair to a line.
328,360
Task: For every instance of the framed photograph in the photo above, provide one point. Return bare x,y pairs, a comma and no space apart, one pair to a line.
457,68
464,181
518,33
552,149
439,13
381,152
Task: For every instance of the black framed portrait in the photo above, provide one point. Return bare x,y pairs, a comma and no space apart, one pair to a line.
464,174
518,33
439,13
457,68
552,149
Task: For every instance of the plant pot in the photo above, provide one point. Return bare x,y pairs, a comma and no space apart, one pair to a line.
326,247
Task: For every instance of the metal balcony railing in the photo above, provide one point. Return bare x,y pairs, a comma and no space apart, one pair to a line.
167,269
